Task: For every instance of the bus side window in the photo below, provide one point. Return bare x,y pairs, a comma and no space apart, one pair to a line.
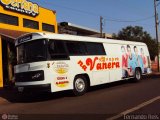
95,48
76,48
57,50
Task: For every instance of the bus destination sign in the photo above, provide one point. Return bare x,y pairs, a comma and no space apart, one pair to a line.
24,39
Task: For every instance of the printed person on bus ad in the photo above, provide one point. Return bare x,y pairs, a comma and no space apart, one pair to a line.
138,59
144,59
125,70
131,61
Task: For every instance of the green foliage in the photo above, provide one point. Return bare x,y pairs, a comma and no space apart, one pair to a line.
137,34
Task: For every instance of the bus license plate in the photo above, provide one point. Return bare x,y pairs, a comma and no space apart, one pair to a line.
20,89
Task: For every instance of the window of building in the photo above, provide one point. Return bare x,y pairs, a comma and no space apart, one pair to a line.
95,48
8,19
76,48
57,50
30,24
48,28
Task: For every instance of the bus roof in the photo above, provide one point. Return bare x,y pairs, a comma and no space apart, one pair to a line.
42,35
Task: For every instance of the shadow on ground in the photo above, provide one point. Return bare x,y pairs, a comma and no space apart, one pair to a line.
11,95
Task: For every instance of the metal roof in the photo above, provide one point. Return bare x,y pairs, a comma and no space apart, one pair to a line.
79,28
70,28
84,28
11,33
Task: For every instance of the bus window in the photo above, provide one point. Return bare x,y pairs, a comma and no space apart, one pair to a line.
33,51
57,50
20,54
95,48
76,48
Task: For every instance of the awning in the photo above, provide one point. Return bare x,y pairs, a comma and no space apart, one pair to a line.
11,33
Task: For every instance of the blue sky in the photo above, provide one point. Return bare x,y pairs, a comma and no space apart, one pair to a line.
87,12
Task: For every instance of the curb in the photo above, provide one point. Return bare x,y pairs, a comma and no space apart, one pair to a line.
3,101
156,73
152,75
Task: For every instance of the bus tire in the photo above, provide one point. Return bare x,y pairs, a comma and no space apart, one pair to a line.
80,85
137,75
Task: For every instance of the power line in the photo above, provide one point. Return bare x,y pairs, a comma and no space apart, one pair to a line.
72,9
97,15
138,20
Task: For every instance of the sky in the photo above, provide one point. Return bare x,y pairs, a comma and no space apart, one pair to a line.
117,14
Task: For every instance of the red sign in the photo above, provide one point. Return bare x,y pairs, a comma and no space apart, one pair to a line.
99,63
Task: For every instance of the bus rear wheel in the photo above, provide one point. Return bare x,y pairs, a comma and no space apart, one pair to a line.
80,85
138,75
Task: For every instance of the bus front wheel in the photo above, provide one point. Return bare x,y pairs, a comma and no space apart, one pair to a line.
80,85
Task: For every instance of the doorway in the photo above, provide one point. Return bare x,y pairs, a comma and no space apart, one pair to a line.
8,60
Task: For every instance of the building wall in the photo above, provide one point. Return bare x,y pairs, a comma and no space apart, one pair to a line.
1,67
45,16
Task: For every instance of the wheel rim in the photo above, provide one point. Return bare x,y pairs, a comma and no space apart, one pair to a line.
79,85
138,75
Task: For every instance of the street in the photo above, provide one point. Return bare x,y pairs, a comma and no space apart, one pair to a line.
108,101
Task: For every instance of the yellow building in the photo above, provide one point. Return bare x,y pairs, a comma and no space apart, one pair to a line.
16,18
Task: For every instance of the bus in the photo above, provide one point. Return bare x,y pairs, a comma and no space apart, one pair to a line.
56,62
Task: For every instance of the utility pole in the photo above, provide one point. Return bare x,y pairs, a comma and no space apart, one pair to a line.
101,26
156,25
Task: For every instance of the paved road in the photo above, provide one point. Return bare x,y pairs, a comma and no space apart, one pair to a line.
106,101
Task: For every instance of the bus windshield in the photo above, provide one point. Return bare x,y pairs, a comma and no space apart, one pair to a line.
32,51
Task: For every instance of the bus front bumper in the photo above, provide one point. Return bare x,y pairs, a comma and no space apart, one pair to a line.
34,88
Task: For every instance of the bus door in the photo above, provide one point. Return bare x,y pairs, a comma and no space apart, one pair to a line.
113,60
60,64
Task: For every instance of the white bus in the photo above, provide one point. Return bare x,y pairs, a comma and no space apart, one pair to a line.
55,62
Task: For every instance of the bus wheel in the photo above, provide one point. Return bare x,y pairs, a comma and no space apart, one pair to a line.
138,75
80,85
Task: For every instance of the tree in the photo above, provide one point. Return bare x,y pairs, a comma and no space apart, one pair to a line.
137,33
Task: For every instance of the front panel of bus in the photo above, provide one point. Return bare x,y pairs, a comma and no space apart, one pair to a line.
42,65
31,65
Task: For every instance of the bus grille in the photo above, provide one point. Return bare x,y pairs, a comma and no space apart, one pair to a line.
29,76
